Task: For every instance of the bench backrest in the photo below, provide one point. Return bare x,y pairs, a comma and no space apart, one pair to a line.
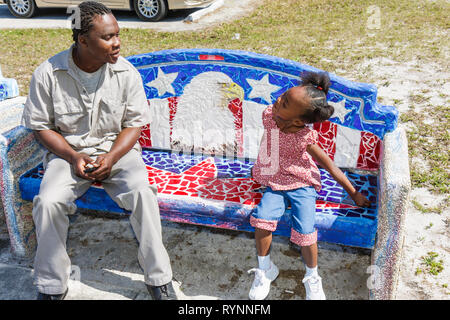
211,100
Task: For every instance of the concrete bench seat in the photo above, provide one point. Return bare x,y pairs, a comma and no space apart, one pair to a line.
204,138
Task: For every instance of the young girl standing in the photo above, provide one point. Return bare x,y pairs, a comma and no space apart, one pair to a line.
285,165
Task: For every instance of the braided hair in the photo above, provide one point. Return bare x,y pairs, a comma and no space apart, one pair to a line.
88,11
317,85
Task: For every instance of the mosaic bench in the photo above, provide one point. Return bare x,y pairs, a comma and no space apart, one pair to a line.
204,137
8,87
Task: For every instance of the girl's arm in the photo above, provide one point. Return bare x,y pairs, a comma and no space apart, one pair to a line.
325,162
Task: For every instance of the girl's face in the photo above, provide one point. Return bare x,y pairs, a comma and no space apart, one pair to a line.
288,108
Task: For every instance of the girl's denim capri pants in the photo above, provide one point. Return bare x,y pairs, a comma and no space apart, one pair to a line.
303,212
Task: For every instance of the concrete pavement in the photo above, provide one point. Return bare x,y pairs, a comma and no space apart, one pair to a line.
58,18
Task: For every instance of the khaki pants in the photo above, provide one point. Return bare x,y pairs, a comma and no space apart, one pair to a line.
128,187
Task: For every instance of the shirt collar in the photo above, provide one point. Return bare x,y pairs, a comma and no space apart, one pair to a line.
61,62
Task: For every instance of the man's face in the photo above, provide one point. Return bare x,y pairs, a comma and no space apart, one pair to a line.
102,42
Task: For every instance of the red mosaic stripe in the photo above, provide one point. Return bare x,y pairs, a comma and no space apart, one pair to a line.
145,139
327,131
369,151
235,107
173,103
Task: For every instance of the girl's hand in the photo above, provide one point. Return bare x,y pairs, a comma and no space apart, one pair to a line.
325,162
360,200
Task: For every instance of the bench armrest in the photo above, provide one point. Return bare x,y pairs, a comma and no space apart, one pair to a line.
19,152
394,188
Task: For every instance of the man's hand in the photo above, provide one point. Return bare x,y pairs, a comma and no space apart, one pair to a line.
124,142
360,199
104,165
79,162
57,145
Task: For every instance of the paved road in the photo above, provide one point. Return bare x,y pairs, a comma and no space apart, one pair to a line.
58,18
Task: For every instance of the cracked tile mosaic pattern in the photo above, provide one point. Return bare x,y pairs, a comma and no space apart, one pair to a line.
262,78
219,89
224,179
8,88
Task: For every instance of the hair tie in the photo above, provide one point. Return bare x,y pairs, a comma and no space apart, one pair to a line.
320,88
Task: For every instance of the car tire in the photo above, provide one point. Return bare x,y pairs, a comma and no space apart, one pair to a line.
22,8
150,10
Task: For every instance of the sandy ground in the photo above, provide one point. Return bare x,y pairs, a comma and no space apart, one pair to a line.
209,264
212,263
396,83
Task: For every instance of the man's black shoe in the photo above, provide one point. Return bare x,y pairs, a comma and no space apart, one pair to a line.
43,296
164,292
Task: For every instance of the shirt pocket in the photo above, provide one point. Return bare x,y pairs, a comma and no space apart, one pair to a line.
69,116
111,114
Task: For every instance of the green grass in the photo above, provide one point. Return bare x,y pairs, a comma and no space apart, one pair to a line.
431,143
431,265
424,209
429,226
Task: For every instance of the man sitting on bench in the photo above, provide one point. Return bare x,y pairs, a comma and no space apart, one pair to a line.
87,106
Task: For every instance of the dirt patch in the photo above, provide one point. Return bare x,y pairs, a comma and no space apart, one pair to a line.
420,90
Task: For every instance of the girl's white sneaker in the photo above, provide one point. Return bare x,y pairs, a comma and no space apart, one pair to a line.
261,284
313,286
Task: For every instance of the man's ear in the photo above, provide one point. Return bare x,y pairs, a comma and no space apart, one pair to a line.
82,40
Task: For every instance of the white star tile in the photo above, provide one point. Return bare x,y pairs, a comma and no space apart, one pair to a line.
262,88
339,110
163,82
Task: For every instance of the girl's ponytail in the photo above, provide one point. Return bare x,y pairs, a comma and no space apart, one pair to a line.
317,85
319,81
323,113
